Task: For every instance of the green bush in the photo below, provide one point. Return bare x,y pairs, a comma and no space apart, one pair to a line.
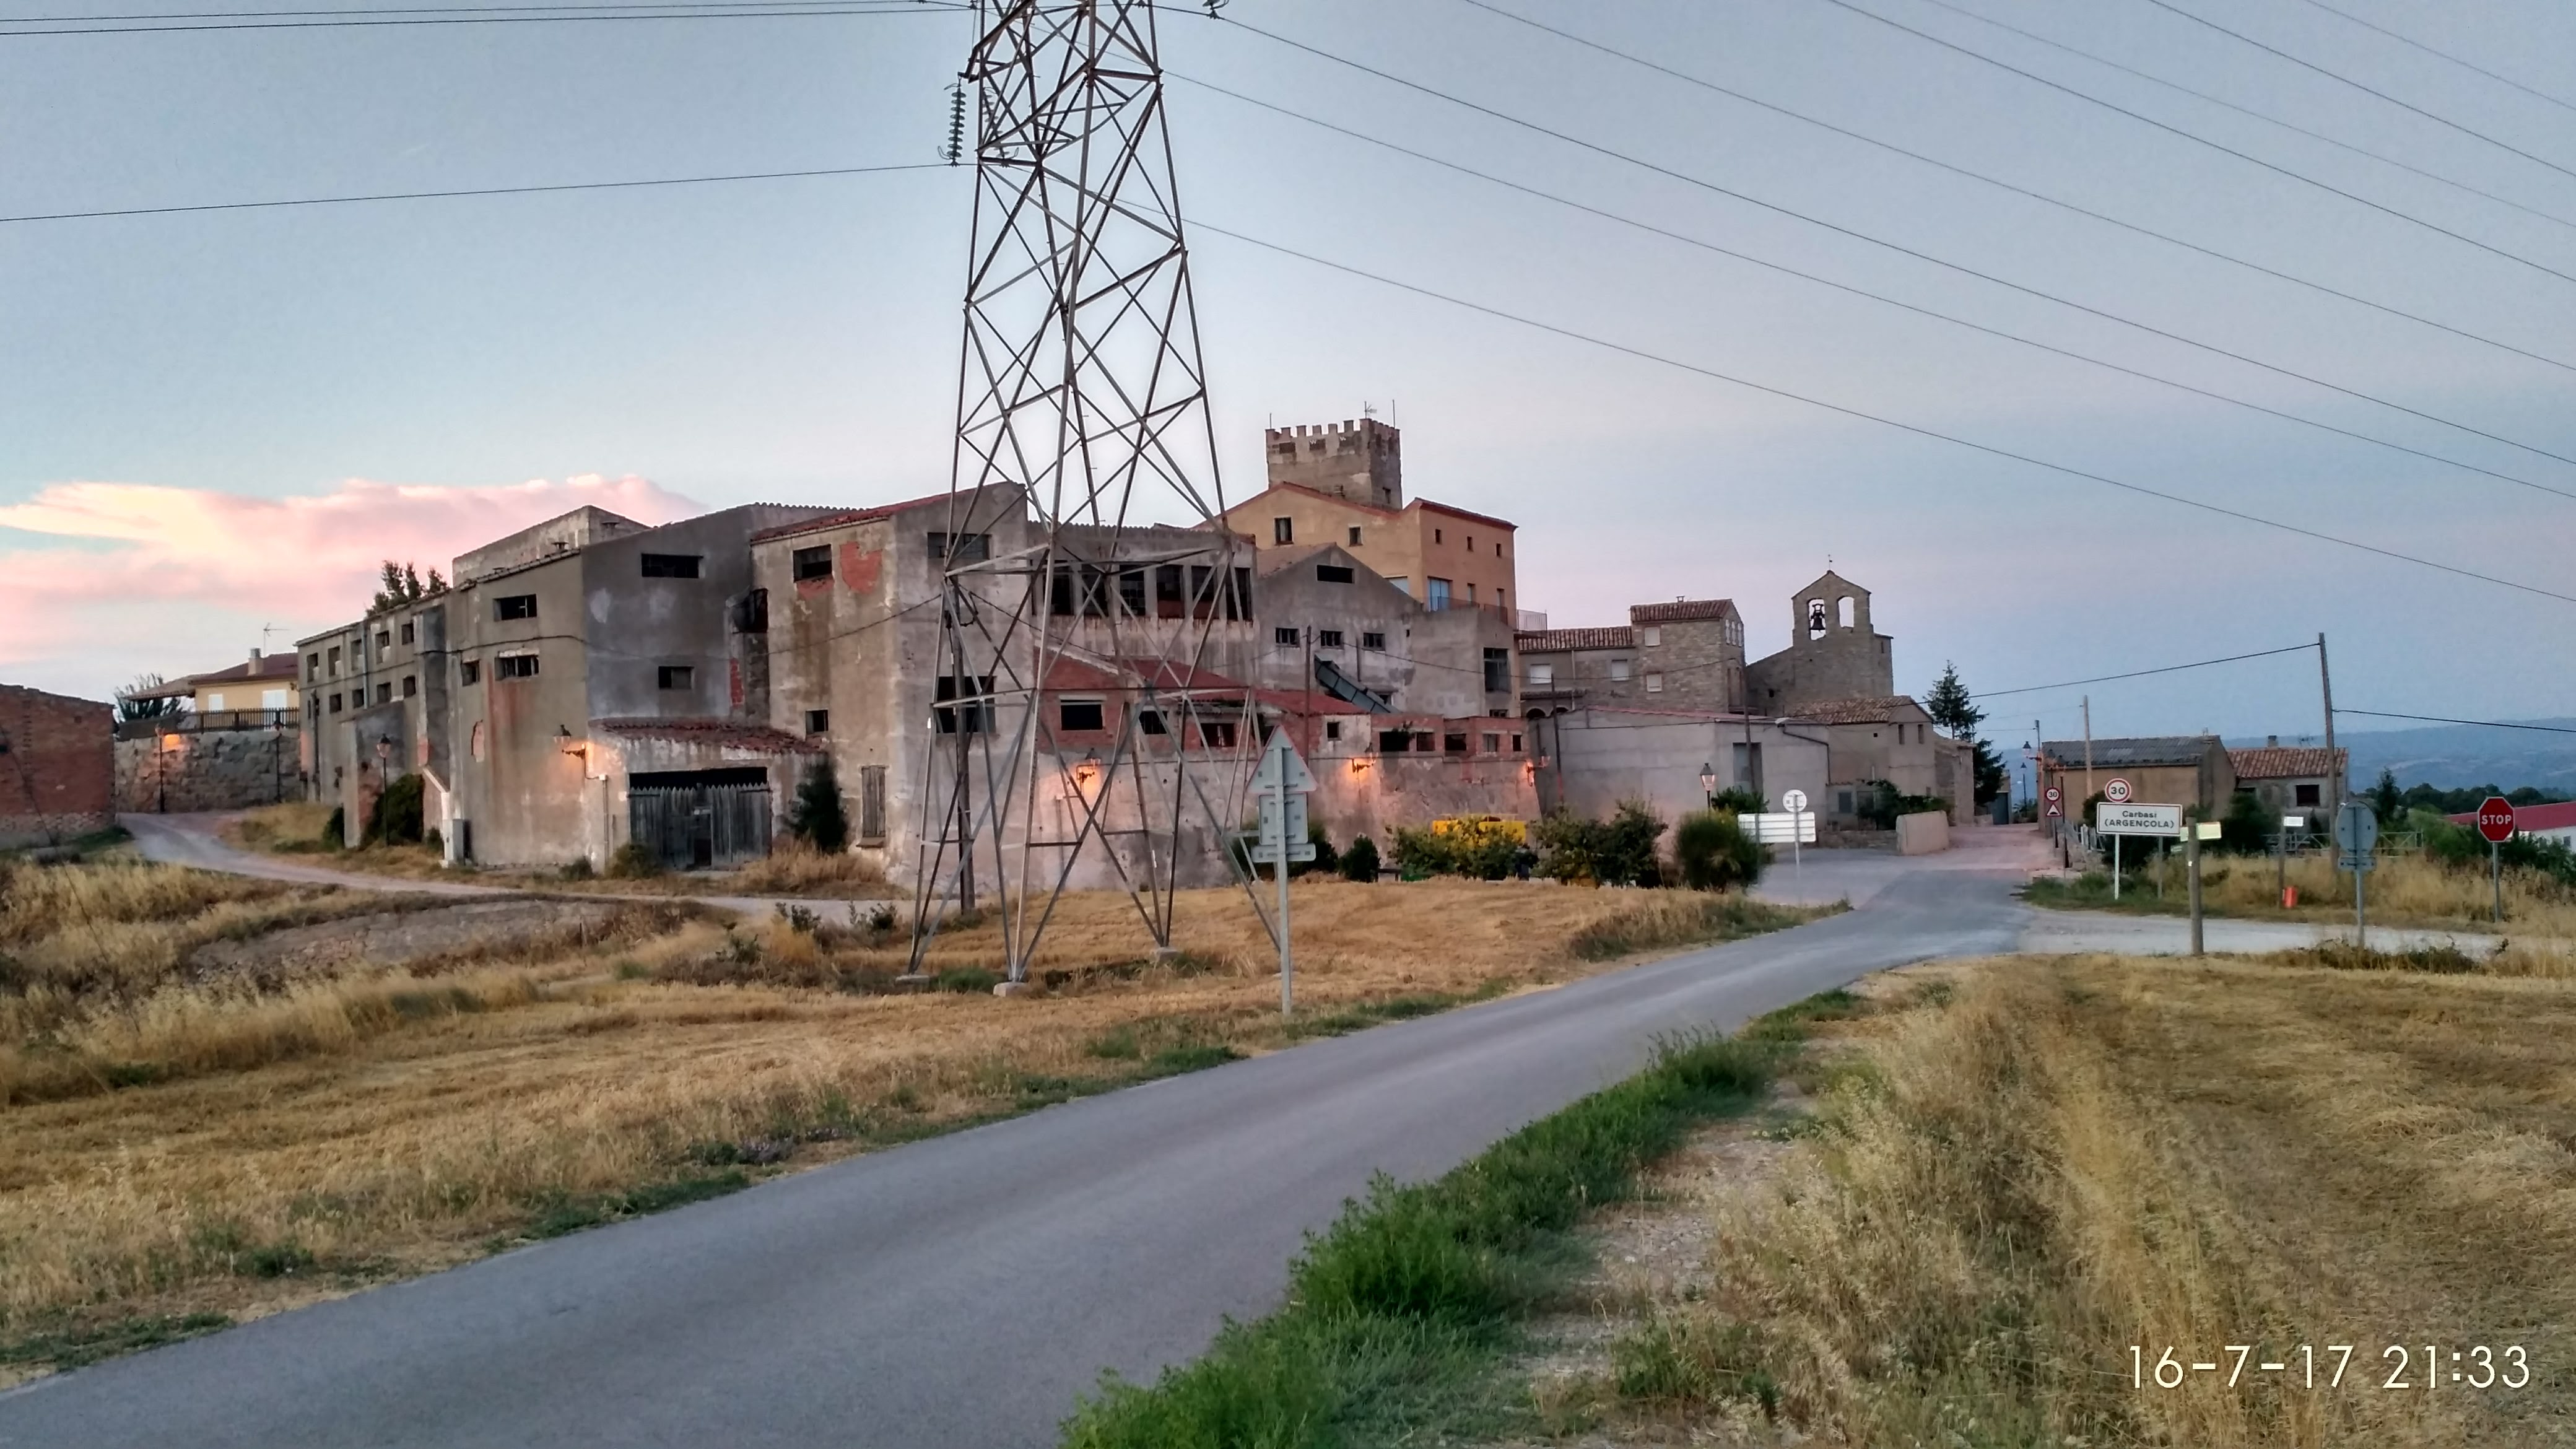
1712,852
1737,800
1619,851
335,831
1878,803
395,819
1359,863
817,817
1327,859
634,862
1478,850
2248,826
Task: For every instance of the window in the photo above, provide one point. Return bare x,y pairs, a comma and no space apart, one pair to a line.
215,701
515,606
1372,639
335,704
1471,543
818,721
1498,671
751,612
1217,734
1453,744
1435,535
411,686
1328,638
1283,530
313,665
1654,681
1131,591
1542,676
1493,744
872,805
971,547
272,699
675,676
811,563
2308,795
1516,744
385,692
407,635
1394,742
1652,636
469,671
1842,802
335,662
1618,669
384,643
1355,535
671,565
1332,729
1150,721
1080,714
1332,573
1436,595
1286,637
515,666
971,717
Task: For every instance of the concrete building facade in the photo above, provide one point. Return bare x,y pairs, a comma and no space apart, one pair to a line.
1593,758
57,767
1345,485
2293,779
1334,624
2186,770
1834,652
1887,740
1687,656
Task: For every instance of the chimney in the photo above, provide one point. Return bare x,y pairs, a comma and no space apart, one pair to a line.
254,662
2271,742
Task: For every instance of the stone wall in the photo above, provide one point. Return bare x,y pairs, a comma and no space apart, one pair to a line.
57,768
224,769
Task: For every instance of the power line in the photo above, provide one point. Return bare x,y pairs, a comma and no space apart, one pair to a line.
478,191
917,7
2441,54
1896,247
1917,429
2142,673
2200,140
2017,190
2265,117
2493,724
2304,64
1687,240
384,10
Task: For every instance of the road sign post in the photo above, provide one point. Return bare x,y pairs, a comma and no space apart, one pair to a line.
2200,831
2356,832
2495,822
1281,782
1795,803
2121,820
2281,867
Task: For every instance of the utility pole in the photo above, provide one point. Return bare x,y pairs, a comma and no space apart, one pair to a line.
2088,783
2325,683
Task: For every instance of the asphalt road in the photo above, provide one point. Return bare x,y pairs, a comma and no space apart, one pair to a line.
960,1291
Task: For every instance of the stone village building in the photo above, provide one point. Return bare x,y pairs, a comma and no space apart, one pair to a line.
237,741
57,767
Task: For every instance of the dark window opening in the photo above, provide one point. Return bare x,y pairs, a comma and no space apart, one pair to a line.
1285,637
1422,742
811,563
1333,573
973,717
1454,744
1498,671
671,565
1283,530
384,643
515,666
1217,735
411,685
675,676
1493,744
818,721
1355,535
1435,535
1131,591
1150,721
751,612
971,547
407,635
1328,638
1238,604
469,671
1080,714
313,666
1079,589
335,662
515,606
1372,639
1167,591
2308,795
385,692
335,704
1516,744
1394,742
1332,729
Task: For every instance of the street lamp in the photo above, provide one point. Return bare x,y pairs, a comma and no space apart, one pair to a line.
1708,784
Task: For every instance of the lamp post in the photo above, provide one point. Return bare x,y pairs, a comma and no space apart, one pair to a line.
1708,784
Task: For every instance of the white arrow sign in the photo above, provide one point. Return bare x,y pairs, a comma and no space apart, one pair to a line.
1280,763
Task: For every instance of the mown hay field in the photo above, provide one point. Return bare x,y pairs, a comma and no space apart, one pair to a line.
2406,890
2023,1168
179,1146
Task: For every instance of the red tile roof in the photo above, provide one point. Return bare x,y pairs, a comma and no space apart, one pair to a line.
1680,611
2287,762
720,733
1853,711
1557,641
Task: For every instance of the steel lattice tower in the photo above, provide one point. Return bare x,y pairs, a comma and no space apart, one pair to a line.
1081,408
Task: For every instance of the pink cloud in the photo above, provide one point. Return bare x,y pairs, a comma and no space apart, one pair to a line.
303,562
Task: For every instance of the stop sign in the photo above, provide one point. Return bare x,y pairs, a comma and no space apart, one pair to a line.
2495,819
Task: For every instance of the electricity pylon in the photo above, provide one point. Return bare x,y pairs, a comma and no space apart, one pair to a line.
1081,417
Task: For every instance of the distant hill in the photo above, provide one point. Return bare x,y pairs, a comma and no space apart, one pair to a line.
2452,757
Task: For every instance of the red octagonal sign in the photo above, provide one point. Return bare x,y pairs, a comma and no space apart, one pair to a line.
2495,819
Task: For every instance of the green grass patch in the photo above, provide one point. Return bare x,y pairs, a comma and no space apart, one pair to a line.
1175,1061
69,1347
2091,891
572,1212
1402,1314
1662,919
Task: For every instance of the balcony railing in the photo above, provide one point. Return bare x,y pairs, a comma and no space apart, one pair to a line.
192,722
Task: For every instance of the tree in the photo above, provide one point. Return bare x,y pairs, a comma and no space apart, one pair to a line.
817,817
1956,712
398,584
1713,853
1359,863
130,708
2386,798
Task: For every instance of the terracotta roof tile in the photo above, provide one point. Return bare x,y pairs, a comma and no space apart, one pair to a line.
1851,711
725,734
1557,641
1680,611
2287,762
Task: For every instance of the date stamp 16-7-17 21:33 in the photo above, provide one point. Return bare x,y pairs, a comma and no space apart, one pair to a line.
2422,1367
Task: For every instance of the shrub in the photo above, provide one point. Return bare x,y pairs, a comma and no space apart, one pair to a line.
335,831
817,817
2248,826
1737,800
1712,852
634,862
1359,863
395,820
1476,849
1618,851
1327,859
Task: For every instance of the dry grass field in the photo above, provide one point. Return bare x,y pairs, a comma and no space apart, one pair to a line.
2406,890
2022,1168
182,1150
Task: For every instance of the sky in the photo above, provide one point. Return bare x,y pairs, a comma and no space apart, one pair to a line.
214,425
